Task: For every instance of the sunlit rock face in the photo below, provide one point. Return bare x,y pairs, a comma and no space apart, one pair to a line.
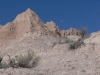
29,21
70,32
28,33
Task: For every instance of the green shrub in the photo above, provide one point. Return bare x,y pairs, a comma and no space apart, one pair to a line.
27,61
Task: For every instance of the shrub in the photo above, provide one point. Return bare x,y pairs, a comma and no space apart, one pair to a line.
84,33
75,45
4,65
68,40
27,61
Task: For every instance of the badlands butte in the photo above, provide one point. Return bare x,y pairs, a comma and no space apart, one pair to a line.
29,21
54,47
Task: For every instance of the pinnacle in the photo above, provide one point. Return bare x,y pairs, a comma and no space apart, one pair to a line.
25,15
29,11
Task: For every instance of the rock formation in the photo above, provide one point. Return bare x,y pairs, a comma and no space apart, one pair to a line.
94,38
53,28
62,33
70,32
29,21
55,57
0,27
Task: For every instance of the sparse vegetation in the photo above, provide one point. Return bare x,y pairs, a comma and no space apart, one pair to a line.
69,40
28,60
75,45
84,32
4,65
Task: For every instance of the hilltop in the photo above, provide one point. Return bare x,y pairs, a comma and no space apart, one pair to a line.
29,21
54,47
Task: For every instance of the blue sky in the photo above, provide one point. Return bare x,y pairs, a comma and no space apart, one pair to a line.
65,13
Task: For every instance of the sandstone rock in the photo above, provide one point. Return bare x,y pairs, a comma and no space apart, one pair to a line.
53,28
28,17
62,33
71,31
55,57
29,21
0,27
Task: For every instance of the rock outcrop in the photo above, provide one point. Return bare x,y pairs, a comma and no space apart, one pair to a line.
94,38
70,32
0,27
29,21
55,57
53,28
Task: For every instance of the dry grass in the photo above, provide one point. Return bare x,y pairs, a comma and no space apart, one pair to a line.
28,60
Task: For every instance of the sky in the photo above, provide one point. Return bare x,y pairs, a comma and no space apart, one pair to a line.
65,13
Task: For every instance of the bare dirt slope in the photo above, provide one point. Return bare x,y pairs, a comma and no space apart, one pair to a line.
55,59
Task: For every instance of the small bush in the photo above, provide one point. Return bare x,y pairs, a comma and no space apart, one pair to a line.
75,45
84,32
68,40
28,60
4,65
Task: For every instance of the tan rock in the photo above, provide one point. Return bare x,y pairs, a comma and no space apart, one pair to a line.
0,27
53,28
71,32
27,21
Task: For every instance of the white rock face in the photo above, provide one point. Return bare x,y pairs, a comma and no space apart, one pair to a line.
94,38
